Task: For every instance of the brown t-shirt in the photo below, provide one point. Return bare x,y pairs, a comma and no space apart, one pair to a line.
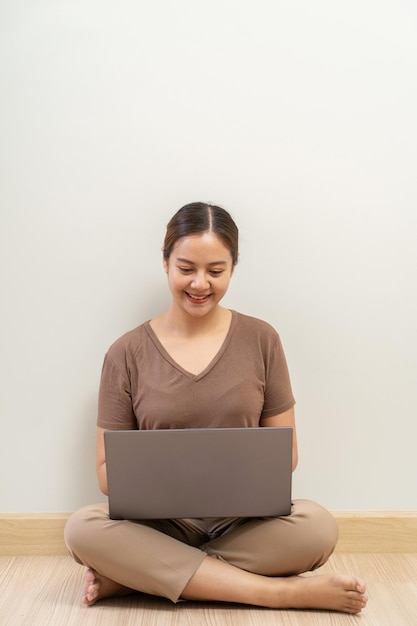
143,387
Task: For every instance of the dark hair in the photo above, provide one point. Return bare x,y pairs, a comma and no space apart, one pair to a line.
199,217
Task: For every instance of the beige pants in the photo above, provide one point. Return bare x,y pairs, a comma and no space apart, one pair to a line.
160,556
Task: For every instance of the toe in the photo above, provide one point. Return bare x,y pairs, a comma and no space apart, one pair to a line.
90,575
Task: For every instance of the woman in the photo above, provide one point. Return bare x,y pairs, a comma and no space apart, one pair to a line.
201,365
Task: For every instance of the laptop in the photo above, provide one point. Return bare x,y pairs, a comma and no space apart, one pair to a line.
199,472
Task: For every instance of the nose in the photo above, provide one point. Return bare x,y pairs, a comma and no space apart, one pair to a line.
200,281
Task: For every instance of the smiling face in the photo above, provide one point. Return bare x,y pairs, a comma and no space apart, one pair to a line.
199,269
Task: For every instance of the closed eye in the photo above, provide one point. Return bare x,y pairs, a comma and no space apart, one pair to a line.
189,270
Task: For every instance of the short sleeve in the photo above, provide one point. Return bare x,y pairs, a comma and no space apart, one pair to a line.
115,410
278,391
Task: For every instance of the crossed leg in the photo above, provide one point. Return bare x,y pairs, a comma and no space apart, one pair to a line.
256,562
217,580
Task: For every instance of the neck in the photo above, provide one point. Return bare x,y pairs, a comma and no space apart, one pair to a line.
180,323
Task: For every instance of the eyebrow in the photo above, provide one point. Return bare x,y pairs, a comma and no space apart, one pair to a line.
182,260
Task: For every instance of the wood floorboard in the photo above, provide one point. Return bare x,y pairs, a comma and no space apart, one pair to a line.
46,591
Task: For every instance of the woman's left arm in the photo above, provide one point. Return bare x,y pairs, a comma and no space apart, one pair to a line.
285,419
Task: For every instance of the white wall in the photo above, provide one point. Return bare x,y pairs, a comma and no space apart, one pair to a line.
297,116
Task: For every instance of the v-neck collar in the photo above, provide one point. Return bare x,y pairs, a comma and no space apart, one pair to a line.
177,366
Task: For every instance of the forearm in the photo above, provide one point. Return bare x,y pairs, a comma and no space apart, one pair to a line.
102,478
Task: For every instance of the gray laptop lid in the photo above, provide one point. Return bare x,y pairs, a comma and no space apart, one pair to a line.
176,473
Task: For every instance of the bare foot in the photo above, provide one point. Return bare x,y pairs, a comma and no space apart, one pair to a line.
333,592
98,587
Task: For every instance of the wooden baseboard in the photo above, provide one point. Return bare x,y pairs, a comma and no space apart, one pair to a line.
32,534
377,531
41,534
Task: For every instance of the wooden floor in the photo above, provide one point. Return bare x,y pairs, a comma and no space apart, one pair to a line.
46,590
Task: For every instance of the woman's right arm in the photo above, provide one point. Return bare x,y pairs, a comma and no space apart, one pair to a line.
101,461
115,410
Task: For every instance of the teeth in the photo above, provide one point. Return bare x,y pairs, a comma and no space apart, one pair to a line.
197,297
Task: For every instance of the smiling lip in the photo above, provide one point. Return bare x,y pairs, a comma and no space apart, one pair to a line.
198,298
